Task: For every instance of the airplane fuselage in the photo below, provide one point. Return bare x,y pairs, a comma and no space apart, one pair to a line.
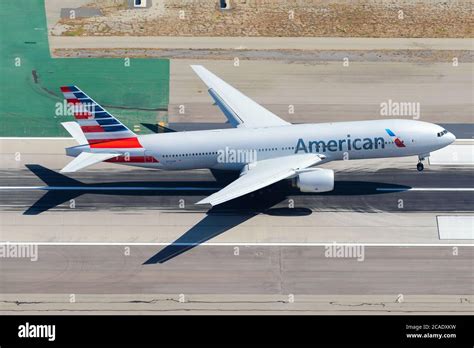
232,149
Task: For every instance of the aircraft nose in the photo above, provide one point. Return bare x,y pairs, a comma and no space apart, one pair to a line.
450,137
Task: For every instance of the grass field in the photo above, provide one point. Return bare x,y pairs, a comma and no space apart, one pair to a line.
135,90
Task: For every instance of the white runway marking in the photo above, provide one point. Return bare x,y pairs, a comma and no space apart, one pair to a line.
108,188
456,226
425,189
296,244
12,205
458,155
86,187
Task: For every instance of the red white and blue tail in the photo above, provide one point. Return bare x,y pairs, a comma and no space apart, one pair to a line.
100,128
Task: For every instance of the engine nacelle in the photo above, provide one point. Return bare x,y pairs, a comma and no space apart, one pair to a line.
315,180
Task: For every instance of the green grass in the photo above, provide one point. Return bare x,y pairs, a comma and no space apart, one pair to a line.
29,93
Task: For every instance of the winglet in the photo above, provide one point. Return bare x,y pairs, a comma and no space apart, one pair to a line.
205,201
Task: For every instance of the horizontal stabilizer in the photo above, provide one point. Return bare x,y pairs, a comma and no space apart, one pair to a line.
75,130
86,159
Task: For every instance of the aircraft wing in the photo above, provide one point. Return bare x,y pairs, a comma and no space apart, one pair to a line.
261,174
240,110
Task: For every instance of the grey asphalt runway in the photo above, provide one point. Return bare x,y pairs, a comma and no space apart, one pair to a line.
116,208
256,270
150,190
461,130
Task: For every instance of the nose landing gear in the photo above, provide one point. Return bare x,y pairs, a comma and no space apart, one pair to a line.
420,165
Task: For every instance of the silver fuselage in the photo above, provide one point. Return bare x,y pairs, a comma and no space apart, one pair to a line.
213,149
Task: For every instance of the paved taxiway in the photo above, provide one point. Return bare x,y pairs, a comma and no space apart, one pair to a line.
260,43
323,91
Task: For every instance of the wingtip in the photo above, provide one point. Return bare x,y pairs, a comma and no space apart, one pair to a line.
197,68
204,201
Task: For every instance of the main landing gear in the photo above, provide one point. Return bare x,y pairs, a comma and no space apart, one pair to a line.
420,165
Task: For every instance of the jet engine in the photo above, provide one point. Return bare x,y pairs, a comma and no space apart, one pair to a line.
315,180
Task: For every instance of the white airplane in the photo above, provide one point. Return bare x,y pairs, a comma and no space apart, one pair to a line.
262,147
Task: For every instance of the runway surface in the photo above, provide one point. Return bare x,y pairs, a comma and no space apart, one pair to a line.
127,245
256,270
117,190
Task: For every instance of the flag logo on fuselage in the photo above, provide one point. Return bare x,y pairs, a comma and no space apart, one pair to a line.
396,140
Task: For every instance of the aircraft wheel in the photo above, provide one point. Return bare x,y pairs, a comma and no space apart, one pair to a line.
420,166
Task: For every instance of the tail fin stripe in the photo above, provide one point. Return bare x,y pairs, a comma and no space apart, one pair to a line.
86,101
114,128
78,116
92,129
69,95
69,89
113,124
95,122
90,122
101,116
65,89
80,95
108,122
106,136
93,119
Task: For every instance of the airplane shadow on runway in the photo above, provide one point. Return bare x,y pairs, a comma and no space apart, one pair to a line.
218,220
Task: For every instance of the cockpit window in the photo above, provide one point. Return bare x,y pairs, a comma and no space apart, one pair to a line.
440,134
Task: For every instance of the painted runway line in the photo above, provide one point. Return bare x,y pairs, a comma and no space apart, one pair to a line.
85,187
108,188
447,189
289,244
